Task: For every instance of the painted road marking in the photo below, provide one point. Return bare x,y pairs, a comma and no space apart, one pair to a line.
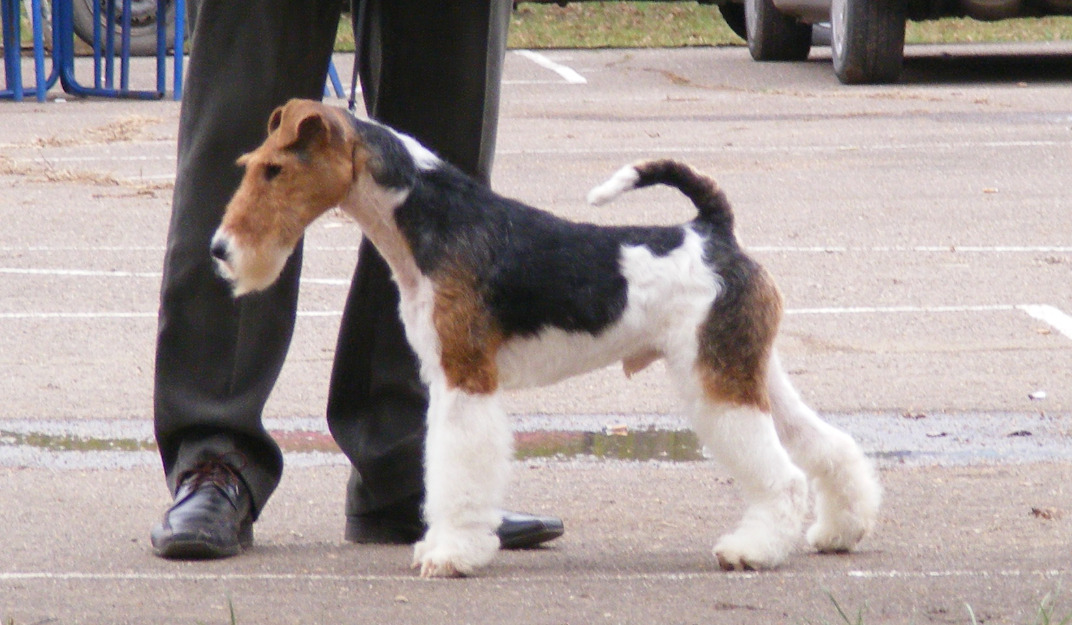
855,574
1051,315
79,273
669,149
567,73
766,249
783,149
155,275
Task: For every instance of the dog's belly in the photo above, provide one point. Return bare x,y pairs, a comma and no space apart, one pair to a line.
669,297
555,355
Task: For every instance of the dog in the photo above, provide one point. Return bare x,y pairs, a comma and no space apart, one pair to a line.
497,295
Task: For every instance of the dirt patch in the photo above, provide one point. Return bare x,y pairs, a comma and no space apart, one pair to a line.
127,129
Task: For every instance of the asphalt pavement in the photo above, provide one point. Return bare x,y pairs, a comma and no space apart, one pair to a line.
919,232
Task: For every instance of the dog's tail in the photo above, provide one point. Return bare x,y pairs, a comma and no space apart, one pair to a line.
704,192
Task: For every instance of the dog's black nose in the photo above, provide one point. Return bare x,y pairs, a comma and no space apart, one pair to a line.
219,249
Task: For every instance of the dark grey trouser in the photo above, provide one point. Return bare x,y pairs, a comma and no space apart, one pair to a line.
431,69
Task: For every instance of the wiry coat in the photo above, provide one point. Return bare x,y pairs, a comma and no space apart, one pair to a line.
496,294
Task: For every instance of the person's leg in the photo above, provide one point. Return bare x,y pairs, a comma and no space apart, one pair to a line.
431,70
218,358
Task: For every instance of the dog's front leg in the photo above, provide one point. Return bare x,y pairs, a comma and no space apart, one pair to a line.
467,462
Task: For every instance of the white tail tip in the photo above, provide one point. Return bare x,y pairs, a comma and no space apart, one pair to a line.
623,180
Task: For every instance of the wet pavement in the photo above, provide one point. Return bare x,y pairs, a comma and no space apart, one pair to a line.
890,440
919,232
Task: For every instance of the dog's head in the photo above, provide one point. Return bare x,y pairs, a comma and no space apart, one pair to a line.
305,167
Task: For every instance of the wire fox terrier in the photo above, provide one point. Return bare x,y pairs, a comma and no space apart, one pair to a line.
498,295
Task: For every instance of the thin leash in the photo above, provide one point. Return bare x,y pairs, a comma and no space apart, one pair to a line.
357,13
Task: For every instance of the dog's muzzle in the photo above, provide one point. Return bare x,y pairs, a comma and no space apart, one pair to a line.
221,249
221,252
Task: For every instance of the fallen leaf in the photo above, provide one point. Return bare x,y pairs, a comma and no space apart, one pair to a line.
1048,514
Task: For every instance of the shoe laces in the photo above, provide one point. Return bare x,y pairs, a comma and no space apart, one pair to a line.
219,471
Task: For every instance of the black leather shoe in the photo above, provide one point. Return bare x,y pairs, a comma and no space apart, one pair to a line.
525,531
211,517
400,525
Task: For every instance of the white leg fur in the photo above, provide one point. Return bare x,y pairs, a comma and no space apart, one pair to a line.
467,463
847,492
745,442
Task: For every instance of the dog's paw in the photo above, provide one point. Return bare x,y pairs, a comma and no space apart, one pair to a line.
844,517
742,551
833,538
432,564
839,531
454,554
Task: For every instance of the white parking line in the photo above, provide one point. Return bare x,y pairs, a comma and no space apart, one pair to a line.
155,275
106,315
77,315
79,273
568,74
926,249
860,575
1051,315
946,146
875,310
93,158
766,249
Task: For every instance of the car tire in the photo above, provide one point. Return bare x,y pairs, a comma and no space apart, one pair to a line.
867,40
774,36
733,15
143,24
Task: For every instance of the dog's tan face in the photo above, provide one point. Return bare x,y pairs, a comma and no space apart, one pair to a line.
304,167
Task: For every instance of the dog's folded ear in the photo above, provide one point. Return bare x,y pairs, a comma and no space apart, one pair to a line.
275,119
311,129
301,124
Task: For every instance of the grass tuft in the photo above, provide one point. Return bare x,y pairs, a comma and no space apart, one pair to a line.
859,620
681,24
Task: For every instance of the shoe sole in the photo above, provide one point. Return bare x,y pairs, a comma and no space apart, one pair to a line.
194,549
530,539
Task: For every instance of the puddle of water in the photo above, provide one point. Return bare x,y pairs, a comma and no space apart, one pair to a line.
889,439
643,445
69,442
649,444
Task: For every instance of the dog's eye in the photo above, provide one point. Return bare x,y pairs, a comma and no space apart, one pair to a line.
271,171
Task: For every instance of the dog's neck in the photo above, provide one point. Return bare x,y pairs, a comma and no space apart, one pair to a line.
372,207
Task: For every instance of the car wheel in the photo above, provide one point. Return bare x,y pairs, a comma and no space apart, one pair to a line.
867,40
142,24
733,14
773,36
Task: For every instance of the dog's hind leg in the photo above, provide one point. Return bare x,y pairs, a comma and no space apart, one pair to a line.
847,492
467,464
743,439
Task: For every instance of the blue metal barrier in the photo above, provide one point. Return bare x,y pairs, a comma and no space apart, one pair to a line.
12,37
333,82
104,48
105,53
